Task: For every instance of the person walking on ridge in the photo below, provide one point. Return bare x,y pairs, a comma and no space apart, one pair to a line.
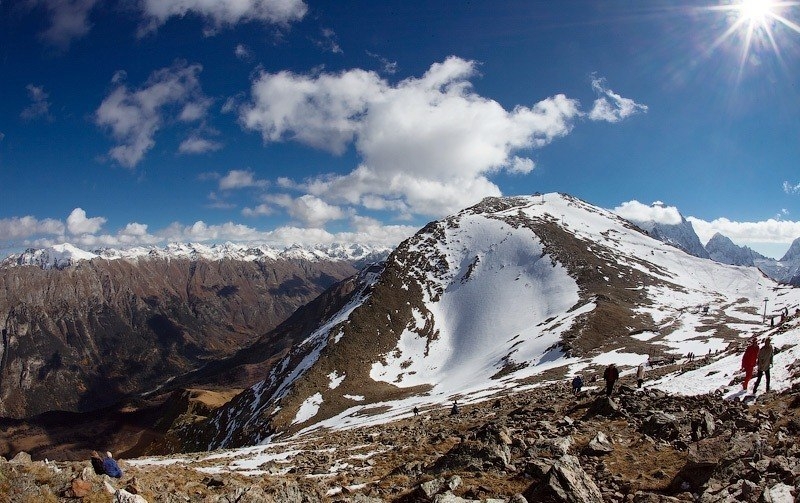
764,363
749,361
611,375
577,384
640,375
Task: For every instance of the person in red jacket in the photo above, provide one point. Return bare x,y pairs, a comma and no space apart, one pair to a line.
749,361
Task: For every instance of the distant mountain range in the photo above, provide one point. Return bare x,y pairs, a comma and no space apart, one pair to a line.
721,249
507,293
64,255
82,330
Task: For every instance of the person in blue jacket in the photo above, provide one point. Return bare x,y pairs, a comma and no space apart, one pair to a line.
110,467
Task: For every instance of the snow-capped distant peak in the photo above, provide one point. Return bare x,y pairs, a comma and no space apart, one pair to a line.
64,255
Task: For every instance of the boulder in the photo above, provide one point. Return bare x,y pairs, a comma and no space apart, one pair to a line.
600,444
566,482
21,458
81,488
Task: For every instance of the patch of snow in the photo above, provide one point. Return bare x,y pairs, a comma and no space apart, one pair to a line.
335,380
308,408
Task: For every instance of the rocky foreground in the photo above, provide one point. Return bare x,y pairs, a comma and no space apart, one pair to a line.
545,445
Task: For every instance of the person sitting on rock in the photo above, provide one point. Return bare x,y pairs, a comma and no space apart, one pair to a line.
97,463
110,467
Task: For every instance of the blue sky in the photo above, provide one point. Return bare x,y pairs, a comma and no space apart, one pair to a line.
281,121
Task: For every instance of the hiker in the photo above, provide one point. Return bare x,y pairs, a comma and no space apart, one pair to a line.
764,363
416,411
640,375
110,467
611,375
577,384
749,361
97,463
454,409
105,465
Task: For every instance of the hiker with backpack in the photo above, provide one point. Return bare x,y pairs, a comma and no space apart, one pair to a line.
611,375
764,363
577,384
105,465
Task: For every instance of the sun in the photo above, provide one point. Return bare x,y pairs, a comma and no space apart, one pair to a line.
757,25
757,12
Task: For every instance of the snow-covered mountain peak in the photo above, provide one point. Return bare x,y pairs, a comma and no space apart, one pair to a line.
681,235
504,294
721,249
65,255
793,253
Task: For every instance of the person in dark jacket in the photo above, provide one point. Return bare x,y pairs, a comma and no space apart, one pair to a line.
764,363
577,384
97,463
611,375
749,360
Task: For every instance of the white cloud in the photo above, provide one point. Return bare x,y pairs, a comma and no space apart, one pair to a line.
615,110
194,110
260,210
39,106
387,67
765,231
198,145
222,13
240,179
311,211
430,142
69,20
242,51
329,42
134,229
78,223
657,212
27,226
29,231
791,189
134,116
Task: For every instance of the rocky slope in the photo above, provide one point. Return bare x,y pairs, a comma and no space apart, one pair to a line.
638,446
84,336
504,294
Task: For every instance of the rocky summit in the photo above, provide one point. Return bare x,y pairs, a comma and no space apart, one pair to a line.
545,444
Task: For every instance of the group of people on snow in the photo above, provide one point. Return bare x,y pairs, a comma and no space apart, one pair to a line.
758,359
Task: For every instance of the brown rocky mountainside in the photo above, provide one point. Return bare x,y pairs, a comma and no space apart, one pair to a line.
542,445
86,336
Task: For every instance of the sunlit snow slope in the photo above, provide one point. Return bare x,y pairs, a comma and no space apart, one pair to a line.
509,293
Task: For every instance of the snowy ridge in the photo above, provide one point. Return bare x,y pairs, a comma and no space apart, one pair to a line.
485,301
250,407
65,255
495,298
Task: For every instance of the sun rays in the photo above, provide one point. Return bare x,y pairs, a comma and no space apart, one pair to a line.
756,23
